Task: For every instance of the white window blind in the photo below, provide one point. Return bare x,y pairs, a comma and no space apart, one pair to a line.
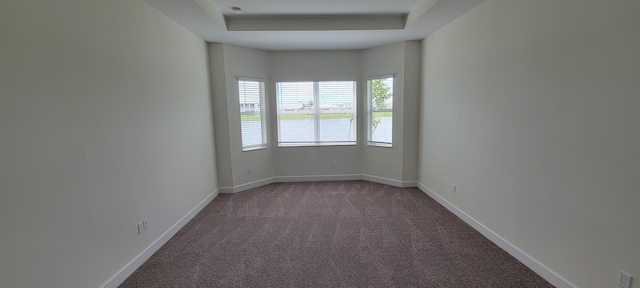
252,113
316,113
380,111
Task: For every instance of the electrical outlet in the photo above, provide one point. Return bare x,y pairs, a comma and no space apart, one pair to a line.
454,189
145,224
333,164
249,171
625,280
140,228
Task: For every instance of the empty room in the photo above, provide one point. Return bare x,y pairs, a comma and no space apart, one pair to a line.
320,143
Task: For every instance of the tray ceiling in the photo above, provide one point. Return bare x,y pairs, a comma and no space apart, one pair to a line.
313,24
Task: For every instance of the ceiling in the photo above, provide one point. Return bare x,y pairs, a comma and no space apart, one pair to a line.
313,24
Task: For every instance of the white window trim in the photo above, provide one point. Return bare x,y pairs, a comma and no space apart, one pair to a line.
370,111
379,144
265,128
316,99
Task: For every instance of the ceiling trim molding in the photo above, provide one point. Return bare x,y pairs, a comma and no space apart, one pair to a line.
315,22
213,11
420,9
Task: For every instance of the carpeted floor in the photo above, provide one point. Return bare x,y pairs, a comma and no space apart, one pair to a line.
330,234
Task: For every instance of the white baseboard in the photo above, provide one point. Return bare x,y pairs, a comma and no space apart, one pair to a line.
523,257
131,267
226,190
310,178
387,181
247,186
408,184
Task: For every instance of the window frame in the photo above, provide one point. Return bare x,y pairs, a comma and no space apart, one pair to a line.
370,110
317,111
263,113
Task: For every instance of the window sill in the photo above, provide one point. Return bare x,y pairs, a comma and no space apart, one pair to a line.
254,148
323,144
380,144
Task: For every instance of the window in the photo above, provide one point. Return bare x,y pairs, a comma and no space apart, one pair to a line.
316,113
252,113
380,111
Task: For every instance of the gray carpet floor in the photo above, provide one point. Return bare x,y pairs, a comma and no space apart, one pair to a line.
330,234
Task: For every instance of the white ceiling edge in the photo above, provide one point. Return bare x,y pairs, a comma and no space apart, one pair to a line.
191,15
213,11
419,10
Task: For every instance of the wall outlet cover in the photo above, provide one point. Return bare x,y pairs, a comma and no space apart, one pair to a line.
625,280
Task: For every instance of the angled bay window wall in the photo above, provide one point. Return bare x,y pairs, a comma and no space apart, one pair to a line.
316,113
251,95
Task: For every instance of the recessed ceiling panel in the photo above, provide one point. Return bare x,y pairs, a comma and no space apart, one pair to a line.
305,7
358,24
315,22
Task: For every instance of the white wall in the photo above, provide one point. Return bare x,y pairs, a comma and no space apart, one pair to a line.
385,162
399,163
253,63
104,120
229,62
401,60
314,66
411,111
532,109
237,62
220,109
